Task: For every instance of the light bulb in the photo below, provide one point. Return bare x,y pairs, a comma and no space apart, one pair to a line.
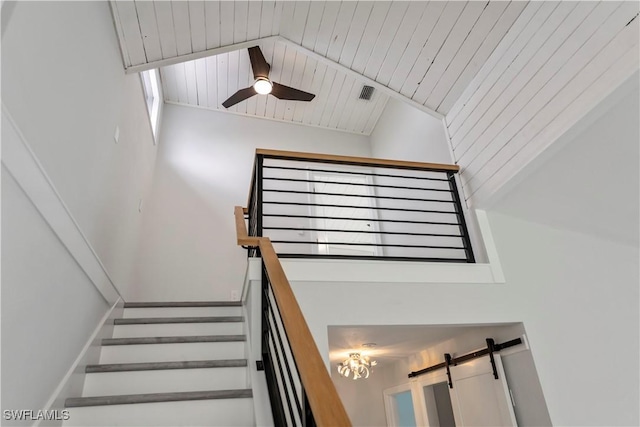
263,86
356,365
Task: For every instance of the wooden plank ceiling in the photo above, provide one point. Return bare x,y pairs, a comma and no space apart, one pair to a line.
559,61
427,52
207,82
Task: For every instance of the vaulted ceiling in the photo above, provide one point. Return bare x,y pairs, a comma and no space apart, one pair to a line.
207,82
425,52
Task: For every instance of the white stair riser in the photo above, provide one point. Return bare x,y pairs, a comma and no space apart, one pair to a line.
181,312
172,352
164,381
217,412
178,329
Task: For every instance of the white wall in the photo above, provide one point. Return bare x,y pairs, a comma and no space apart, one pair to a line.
576,295
362,399
65,91
49,305
64,85
592,180
188,249
406,133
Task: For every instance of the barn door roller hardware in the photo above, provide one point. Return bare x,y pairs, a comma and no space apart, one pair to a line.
492,347
447,363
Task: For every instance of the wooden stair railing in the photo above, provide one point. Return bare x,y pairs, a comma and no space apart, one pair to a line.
352,160
321,393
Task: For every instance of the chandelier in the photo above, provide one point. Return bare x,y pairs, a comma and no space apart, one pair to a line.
356,365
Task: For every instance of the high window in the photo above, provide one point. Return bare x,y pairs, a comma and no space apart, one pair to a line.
151,85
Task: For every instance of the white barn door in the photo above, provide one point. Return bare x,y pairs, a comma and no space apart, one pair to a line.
477,398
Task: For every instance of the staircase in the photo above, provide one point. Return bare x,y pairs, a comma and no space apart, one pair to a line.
169,364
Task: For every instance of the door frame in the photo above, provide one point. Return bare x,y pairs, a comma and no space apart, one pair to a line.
389,407
375,225
428,418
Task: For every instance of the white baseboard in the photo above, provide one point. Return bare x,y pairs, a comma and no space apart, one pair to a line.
72,383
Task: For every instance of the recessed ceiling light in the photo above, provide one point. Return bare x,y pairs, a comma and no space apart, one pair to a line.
369,344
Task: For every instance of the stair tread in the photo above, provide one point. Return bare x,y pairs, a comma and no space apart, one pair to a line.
173,340
152,366
153,320
170,352
183,304
127,399
214,412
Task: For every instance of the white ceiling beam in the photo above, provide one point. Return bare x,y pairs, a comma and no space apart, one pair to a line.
272,119
348,71
198,55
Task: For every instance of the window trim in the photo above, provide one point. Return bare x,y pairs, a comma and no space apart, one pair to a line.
152,90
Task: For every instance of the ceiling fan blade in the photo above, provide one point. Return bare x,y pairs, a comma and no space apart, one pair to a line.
286,92
259,65
239,96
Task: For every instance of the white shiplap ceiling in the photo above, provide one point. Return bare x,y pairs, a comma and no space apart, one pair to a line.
426,52
207,82
559,60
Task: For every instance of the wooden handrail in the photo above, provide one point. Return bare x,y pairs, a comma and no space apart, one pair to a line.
364,161
242,236
326,405
330,158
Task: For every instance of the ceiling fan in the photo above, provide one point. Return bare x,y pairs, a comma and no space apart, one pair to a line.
264,86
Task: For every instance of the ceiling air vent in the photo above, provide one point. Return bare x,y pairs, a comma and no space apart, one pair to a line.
366,93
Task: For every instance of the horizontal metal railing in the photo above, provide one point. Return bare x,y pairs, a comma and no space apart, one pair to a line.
316,205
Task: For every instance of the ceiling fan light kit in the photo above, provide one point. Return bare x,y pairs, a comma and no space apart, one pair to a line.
264,86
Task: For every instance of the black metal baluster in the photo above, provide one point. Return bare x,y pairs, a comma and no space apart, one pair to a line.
284,354
284,385
260,193
277,409
468,250
307,419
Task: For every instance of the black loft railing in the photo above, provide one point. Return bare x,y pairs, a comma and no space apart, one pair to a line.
288,399
353,208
